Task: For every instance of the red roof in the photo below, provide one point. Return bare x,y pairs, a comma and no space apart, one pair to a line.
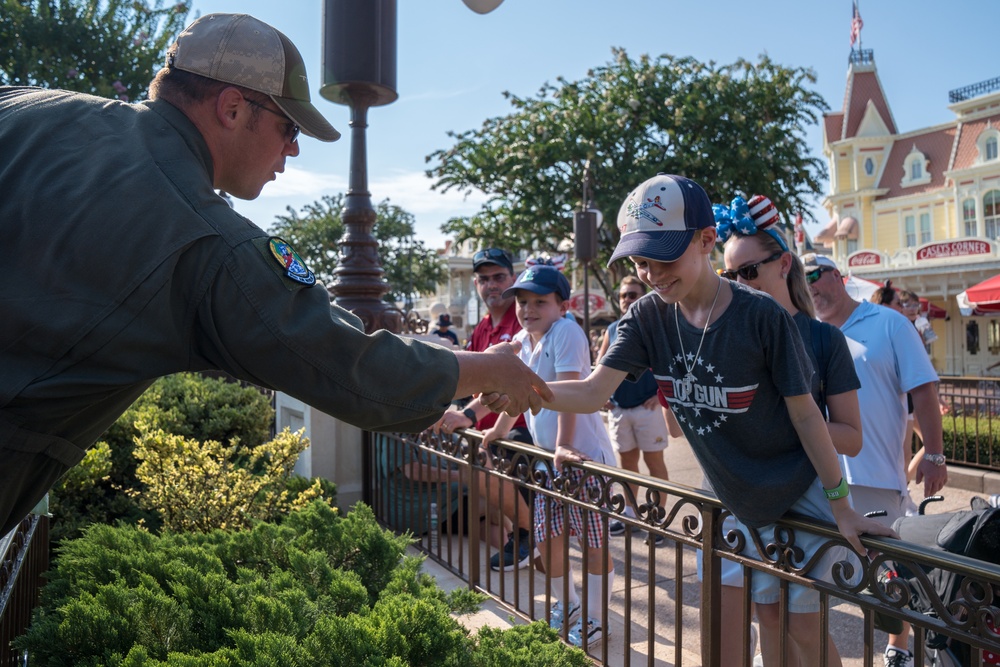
968,152
935,145
865,87
833,124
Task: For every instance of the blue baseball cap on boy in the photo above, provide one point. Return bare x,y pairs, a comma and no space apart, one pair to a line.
659,218
540,280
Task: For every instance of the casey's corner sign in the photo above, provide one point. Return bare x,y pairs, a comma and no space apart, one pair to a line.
957,248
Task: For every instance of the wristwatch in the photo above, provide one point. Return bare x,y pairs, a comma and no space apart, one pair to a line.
936,459
471,414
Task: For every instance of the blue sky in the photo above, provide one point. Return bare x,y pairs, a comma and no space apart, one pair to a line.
453,66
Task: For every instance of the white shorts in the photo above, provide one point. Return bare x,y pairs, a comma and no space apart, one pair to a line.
637,427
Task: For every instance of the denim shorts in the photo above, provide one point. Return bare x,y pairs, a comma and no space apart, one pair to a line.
765,588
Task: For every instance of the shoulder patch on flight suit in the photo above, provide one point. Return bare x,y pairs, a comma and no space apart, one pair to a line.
292,266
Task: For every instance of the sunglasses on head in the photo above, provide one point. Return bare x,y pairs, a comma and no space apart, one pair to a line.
750,271
814,275
490,253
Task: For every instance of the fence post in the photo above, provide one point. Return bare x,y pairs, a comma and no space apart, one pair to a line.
475,500
711,592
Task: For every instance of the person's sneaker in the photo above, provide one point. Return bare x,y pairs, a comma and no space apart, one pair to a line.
896,658
994,500
509,559
657,539
584,635
558,617
618,527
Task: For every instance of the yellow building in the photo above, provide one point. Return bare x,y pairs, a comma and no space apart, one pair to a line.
921,208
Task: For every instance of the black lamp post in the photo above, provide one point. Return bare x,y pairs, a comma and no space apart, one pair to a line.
359,70
585,223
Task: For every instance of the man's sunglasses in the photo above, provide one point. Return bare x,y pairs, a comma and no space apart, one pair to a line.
750,271
291,129
630,295
815,274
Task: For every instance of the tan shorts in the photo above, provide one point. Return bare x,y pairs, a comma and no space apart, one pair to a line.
637,427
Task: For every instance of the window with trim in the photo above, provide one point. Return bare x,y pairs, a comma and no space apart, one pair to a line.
994,337
925,228
909,231
988,143
969,217
869,166
991,213
852,246
915,171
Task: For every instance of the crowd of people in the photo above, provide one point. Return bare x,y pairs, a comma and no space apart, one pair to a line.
814,418
822,429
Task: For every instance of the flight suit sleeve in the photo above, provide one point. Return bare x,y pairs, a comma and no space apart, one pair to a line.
260,325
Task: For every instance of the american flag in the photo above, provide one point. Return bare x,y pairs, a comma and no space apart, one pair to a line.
856,25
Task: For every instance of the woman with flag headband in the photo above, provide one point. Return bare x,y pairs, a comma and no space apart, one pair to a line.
747,231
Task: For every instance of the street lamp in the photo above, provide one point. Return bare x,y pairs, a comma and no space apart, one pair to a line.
585,224
359,70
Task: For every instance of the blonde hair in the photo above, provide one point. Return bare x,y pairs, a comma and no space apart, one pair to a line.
798,289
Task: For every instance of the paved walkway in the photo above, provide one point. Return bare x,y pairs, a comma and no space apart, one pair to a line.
846,620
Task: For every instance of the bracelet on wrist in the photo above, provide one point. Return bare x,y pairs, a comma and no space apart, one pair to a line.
936,459
839,491
471,415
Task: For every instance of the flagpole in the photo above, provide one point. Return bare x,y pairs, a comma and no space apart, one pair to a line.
858,11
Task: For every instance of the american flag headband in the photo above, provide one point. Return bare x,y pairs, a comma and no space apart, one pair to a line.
747,218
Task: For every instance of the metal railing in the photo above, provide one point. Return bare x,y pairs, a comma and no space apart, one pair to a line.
659,605
974,90
24,558
972,425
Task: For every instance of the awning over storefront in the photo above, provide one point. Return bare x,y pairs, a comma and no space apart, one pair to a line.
828,235
847,229
981,299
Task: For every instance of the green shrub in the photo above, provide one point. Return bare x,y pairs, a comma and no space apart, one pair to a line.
972,438
317,590
187,405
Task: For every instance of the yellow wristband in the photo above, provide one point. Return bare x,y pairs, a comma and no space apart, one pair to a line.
839,491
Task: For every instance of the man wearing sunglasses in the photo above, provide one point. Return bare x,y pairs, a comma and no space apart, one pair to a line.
879,339
125,265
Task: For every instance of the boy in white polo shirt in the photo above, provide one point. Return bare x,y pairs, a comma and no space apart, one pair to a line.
557,349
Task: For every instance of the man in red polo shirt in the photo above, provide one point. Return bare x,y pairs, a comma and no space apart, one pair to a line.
494,272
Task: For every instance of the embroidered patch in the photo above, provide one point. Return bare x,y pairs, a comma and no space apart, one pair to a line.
295,267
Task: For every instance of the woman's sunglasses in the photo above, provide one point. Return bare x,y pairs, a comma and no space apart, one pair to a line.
815,274
749,272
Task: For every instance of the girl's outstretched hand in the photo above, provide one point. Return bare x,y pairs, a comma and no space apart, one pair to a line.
852,525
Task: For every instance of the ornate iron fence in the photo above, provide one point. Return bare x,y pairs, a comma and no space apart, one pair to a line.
664,607
24,558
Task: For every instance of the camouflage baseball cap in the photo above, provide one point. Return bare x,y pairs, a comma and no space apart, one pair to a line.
242,50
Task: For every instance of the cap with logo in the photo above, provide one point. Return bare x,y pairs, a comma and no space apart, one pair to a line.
659,218
812,261
444,320
242,50
540,280
494,256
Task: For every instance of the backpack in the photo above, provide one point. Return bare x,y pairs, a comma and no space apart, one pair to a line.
822,346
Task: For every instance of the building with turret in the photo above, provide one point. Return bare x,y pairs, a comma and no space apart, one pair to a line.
920,207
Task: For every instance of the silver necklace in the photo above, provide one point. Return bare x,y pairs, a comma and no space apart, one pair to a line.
689,376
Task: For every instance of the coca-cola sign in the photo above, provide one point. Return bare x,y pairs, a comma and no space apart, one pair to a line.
865,258
961,248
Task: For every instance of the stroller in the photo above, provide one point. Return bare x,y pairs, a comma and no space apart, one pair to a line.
974,533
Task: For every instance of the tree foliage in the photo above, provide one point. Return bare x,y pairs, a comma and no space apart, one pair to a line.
736,128
110,48
410,267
